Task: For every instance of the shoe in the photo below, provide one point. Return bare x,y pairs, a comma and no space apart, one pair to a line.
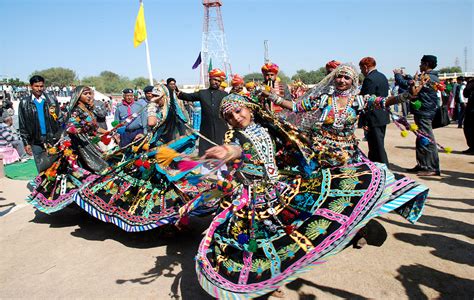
414,170
428,173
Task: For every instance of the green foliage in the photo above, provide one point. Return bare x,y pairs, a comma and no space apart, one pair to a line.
311,77
57,76
450,70
108,82
13,81
140,82
256,76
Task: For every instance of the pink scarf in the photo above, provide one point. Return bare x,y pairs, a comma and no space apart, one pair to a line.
129,106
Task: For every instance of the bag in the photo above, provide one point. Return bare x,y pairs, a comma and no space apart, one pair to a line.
441,117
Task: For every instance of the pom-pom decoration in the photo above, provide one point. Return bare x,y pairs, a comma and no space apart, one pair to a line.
416,105
448,150
243,238
115,123
252,246
165,155
404,133
413,127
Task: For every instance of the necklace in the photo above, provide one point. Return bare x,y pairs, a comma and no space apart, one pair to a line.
263,145
340,114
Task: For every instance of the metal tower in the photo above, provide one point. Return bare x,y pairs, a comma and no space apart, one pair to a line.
214,45
266,58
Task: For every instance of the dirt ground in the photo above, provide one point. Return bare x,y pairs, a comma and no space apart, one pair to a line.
71,255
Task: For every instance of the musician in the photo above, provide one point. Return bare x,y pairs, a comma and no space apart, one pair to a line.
270,76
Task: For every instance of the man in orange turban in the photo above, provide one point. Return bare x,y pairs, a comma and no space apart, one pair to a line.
217,73
237,84
212,125
270,72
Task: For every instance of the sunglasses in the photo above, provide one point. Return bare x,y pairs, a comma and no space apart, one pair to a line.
346,77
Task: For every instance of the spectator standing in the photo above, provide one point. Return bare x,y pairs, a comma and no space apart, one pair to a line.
212,125
460,100
375,83
39,118
468,93
138,127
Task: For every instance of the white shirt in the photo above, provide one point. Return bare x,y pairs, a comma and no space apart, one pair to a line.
41,98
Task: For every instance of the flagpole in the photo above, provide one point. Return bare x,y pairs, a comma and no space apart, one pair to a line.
148,62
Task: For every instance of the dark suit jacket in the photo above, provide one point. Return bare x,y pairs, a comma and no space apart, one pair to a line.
212,125
375,83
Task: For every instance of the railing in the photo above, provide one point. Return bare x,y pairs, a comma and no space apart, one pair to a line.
455,75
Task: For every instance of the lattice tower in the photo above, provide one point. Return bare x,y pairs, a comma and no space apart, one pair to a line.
214,43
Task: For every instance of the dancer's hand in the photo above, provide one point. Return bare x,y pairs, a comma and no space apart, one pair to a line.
218,152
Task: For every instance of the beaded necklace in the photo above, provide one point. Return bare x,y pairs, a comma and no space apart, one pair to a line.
263,145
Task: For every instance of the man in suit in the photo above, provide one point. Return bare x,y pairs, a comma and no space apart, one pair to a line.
40,119
375,83
212,125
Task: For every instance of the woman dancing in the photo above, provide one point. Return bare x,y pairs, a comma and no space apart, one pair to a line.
279,217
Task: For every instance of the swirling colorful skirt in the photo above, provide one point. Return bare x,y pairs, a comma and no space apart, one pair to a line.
262,238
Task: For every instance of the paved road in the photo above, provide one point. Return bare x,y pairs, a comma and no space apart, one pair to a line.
71,255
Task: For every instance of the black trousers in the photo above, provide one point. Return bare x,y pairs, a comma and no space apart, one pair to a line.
375,140
469,128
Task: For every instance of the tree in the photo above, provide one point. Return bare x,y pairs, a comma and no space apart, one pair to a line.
57,76
13,81
140,82
311,77
256,76
450,70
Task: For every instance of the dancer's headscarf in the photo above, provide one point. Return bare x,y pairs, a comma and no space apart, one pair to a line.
76,95
327,85
233,101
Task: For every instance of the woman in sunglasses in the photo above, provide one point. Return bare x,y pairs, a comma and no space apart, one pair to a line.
328,112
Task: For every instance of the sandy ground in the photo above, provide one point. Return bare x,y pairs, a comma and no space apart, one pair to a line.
72,255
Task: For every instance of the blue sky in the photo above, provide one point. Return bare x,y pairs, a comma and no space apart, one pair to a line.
90,36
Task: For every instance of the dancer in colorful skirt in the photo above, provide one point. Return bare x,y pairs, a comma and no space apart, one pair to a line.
138,187
75,160
148,185
280,216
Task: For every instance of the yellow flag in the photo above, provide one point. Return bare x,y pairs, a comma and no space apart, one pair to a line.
140,28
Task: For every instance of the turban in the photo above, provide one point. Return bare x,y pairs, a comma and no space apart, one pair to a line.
332,64
217,73
270,67
237,80
250,84
233,101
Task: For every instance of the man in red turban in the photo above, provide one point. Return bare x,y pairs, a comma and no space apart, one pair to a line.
331,65
212,125
270,72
